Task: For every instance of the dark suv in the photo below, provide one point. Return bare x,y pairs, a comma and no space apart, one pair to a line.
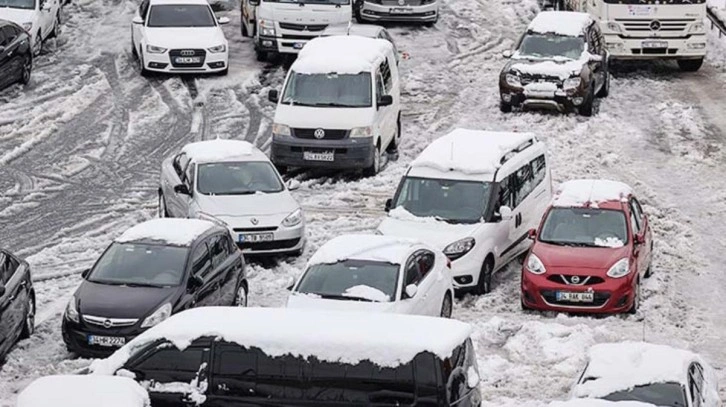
152,271
16,58
560,62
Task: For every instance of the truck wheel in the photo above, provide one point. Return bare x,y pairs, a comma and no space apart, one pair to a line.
586,107
690,65
505,107
244,28
261,56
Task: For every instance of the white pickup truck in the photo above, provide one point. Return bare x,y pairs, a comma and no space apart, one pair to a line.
284,26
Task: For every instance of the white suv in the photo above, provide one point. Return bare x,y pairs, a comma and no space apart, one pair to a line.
40,18
234,182
474,195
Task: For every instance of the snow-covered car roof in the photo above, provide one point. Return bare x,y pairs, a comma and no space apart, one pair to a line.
598,403
387,340
174,2
175,232
83,391
568,23
363,30
620,366
383,248
590,192
220,150
470,151
341,54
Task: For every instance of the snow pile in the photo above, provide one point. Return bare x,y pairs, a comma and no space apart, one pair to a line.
341,54
470,151
83,391
567,23
609,242
219,150
387,340
590,191
598,403
561,70
620,366
367,292
394,250
177,232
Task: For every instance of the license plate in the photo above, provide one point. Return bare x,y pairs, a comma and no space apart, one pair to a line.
108,341
641,11
655,44
399,10
575,297
255,237
188,60
324,156
298,45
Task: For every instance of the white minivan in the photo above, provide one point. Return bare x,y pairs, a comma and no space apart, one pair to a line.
339,107
474,195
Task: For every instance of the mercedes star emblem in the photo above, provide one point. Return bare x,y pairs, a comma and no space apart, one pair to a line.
575,280
254,221
319,133
655,25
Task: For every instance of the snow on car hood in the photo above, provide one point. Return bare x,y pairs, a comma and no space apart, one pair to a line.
436,233
561,68
311,301
596,258
324,117
185,37
309,14
259,204
16,15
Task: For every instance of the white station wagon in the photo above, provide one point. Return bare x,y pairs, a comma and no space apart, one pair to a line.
376,273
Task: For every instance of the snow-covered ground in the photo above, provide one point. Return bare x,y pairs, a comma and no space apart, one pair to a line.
81,147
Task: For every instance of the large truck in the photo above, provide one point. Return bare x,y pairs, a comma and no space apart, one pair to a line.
285,26
650,29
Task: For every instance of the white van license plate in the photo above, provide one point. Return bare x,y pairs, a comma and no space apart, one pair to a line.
324,156
107,341
575,297
655,44
399,10
188,60
255,237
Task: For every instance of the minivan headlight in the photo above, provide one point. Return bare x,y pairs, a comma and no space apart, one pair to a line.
459,248
620,269
362,132
151,49
293,219
218,49
535,265
513,80
72,310
281,129
159,315
572,83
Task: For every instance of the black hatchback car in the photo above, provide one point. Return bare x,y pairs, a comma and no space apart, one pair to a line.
17,302
16,58
153,270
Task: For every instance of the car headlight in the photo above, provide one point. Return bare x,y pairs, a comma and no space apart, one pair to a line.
459,248
614,27
696,27
159,315
218,49
362,132
267,28
513,79
535,265
151,49
28,26
620,269
293,219
281,129
572,83
72,310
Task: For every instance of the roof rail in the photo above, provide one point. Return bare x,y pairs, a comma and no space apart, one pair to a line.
525,145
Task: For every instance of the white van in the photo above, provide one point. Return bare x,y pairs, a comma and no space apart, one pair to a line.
474,195
340,106
284,27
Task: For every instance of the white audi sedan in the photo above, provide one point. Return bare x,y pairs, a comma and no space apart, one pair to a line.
179,36
233,182
376,273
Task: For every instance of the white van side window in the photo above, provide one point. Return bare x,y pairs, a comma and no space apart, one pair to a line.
505,193
525,183
539,167
380,89
386,74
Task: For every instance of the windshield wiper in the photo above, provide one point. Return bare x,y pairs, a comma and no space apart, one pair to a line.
342,297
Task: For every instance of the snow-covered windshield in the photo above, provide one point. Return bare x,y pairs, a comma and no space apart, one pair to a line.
357,280
237,178
22,4
140,265
591,227
551,46
448,200
658,394
329,90
177,15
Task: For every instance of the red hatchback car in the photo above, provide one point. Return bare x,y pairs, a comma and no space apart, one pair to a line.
591,251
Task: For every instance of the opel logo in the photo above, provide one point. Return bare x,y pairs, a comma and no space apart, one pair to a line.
655,25
187,52
575,280
319,133
254,221
107,323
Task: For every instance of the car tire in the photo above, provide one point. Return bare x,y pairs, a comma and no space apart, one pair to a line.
261,56
605,90
244,29
649,271
56,26
484,284
223,72
375,167
636,299
505,107
523,305
29,321
163,211
393,146
586,109
37,45
142,65
690,65
241,296
447,306
26,70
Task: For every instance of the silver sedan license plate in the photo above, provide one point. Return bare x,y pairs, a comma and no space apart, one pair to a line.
255,237
400,10
188,60
575,297
655,44
324,156
107,341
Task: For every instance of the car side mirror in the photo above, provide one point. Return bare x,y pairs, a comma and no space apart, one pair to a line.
507,53
411,290
532,234
292,184
389,204
223,20
254,2
505,212
182,189
2,49
194,283
639,239
85,273
291,285
385,100
2,290
137,20
273,96
595,58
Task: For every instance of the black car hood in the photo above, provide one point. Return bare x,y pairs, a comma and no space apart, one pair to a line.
116,301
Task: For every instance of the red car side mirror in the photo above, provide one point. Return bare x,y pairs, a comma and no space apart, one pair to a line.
639,239
532,234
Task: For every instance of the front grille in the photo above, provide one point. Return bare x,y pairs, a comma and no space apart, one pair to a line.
569,280
527,79
109,322
260,229
396,3
273,245
173,54
600,298
297,37
303,27
643,25
330,134
654,51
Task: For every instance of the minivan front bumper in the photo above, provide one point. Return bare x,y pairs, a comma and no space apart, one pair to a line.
378,12
349,153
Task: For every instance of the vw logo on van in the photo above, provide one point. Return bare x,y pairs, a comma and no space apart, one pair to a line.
655,25
187,53
319,133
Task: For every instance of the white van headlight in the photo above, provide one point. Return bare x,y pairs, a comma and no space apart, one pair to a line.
159,315
218,49
535,265
459,248
152,49
293,219
620,269
362,132
281,129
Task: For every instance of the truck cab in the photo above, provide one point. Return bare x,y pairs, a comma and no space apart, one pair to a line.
285,26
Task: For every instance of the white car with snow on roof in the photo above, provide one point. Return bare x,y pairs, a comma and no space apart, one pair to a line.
222,356
83,391
474,195
657,374
340,106
234,182
560,62
376,273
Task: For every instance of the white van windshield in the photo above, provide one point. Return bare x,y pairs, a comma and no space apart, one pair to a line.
329,90
448,200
